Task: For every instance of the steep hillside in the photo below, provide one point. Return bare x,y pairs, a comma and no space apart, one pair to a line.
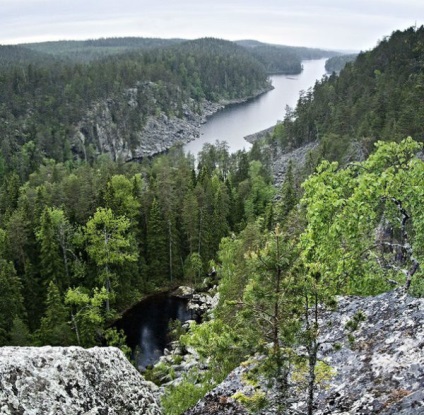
379,370
376,97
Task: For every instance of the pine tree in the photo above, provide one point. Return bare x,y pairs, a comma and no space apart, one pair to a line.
109,245
55,329
11,300
157,246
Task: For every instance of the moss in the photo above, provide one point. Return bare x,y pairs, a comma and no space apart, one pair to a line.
323,374
253,403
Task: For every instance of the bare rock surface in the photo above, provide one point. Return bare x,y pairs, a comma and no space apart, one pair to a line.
380,370
282,159
72,380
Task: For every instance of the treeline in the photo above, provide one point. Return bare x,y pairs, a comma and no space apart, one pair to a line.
374,98
88,50
79,243
279,59
337,63
43,102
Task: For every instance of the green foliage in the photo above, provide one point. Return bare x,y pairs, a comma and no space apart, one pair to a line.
193,268
160,213
175,329
359,217
253,403
260,192
218,342
373,98
179,398
117,339
87,315
55,329
109,245
11,301
54,237
19,334
355,322
323,372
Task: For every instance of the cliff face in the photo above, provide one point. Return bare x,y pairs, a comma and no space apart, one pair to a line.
72,380
133,126
379,370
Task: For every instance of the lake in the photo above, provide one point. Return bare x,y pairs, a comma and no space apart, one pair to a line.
146,326
236,122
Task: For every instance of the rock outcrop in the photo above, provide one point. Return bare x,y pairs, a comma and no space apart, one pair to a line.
133,126
72,380
297,156
379,369
118,128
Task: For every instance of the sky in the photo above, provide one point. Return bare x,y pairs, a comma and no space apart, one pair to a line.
350,25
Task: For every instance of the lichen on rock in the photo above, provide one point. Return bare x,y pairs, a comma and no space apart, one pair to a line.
379,370
72,380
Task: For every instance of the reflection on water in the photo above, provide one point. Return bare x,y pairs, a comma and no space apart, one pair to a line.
146,326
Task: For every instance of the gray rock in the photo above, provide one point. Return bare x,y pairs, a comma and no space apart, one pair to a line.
72,380
183,292
281,161
381,372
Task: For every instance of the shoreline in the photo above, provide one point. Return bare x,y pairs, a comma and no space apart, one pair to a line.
252,138
161,133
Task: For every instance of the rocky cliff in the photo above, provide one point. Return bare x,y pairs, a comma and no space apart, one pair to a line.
133,125
379,369
72,380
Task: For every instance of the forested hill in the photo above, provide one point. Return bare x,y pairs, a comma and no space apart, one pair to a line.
163,221
87,50
376,97
19,55
44,100
283,59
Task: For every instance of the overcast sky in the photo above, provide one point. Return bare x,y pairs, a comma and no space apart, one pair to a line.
334,24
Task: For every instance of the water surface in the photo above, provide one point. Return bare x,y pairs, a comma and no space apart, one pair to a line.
146,326
235,122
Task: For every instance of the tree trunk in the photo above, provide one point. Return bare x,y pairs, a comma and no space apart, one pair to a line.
74,322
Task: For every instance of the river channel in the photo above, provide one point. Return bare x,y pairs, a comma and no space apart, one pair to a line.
236,122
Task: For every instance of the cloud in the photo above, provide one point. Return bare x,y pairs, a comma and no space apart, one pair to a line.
326,23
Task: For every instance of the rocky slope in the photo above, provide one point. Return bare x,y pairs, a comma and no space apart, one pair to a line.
122,128
71,381
118,128
380,370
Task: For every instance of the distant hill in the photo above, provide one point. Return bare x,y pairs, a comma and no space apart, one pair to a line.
281,58
87,50
45,93
20,55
